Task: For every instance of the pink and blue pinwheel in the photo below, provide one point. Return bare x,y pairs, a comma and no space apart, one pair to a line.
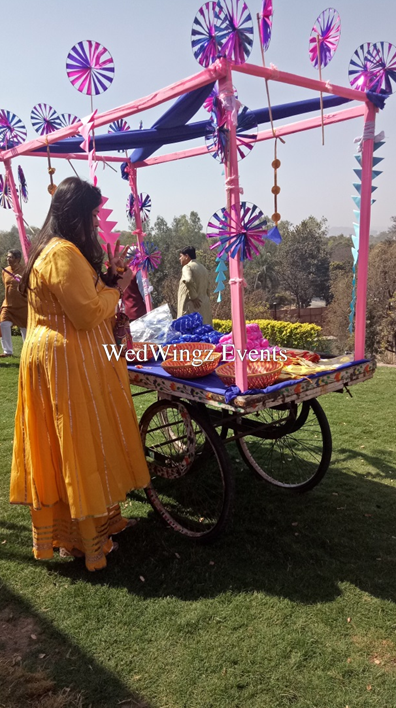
23,190
234,30
90,67
5,194
44,119
144,206
238,232
359,71
67,119
118,126
148,259
266,23
328,29
203,37
381,65
12,130
246,133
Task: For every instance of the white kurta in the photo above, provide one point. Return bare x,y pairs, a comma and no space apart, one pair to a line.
194,284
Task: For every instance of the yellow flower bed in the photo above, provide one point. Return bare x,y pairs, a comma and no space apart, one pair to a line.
300,335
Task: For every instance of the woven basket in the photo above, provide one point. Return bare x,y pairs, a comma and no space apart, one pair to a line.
175,350
260,373
185,369
145,351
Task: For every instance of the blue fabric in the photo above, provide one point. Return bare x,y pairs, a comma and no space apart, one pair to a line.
377,98
213,383
171,128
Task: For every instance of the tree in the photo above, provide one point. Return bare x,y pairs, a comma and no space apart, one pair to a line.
303,262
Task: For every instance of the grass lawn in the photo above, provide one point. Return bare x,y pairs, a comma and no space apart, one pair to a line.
294,606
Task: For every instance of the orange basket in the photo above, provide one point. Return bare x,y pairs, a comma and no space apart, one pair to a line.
185,369
145,350
260,373
175,350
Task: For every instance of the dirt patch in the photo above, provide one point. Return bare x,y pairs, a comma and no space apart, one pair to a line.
382,653
19,640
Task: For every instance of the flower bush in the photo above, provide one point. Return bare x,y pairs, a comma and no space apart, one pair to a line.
285,334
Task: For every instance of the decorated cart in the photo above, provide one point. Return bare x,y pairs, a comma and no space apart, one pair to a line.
279,427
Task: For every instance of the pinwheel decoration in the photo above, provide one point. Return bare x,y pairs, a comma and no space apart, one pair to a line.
203,35
148,259
234,30
12,130
90,67
238,232
324,38
23,190
67,119
358,72
5,194
373,68
144,206
44,119
266,23
118,126
246,132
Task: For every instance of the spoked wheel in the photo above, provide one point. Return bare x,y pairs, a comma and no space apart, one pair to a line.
289,446
192,486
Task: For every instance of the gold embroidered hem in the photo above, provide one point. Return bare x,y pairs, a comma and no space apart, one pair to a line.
54,528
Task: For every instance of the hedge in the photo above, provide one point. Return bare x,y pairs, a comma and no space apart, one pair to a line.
285,334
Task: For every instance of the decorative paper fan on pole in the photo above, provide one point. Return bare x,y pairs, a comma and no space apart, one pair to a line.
148,259
359,71
327,29
44,119
5,194
144,206
234,30
323,43
238,232
23,190
12,131
203,35
67,119
90,67
265,23
118,126
381,65
246,132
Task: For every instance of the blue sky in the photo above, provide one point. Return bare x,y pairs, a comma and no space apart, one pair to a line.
150,43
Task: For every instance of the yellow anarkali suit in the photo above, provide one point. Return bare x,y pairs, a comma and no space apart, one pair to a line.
77,449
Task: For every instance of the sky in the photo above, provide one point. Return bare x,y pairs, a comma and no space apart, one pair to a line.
150,44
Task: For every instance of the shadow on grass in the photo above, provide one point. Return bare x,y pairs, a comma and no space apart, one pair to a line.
65,663
296,546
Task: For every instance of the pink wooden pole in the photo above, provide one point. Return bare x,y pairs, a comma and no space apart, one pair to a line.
132,179
364,231
235,265
25,245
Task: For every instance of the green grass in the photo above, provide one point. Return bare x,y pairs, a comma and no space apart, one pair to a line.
294,606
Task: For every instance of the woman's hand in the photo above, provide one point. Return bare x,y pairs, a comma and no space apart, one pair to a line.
118,263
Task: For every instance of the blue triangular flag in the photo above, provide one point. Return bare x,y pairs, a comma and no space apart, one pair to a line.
359,159
376,173
355,254
378,145
373,201
373,189
358,174
377,160
219,297
355,241
357,186
357,229
274,235
357,201
357,215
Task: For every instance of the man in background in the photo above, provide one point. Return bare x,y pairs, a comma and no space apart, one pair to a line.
14,307
193,295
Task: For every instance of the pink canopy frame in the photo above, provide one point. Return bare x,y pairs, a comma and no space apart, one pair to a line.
222,70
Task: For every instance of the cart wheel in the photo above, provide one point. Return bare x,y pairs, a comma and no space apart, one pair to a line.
190,489
291,455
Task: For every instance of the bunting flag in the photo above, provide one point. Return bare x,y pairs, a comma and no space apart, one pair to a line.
106,226
221,275
356,226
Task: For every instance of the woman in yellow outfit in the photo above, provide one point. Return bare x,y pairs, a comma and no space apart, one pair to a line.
77,449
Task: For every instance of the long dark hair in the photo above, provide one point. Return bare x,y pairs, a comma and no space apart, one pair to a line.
70,218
